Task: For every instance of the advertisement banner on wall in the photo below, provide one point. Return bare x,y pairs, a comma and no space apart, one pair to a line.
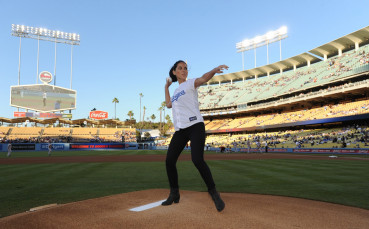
23,146
56,146
346,151
87,146
278,150
131,145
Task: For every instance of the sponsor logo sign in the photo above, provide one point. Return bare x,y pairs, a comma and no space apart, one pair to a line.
97,146
45,77
277,150
302,150
132,146
55,146
98,115
19,114
23,146
348,151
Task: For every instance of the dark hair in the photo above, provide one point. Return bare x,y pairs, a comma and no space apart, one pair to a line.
174,78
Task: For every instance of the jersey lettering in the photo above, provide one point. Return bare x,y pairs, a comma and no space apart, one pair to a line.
179,94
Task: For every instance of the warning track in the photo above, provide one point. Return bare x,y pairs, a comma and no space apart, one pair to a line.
158,158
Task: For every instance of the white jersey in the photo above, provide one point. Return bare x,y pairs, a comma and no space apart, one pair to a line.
185,105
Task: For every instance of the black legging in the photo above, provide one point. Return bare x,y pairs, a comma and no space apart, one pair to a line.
196,134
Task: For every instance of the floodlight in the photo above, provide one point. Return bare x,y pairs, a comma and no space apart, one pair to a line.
259,41
246,43
44,34
282,30
271,34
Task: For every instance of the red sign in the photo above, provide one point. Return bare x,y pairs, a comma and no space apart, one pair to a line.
19,114
45,77
98,115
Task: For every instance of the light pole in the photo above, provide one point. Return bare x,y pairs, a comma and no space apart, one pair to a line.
141,95
259,41
55,36
19,63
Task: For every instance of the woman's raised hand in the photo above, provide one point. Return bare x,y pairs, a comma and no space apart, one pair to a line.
220,68
168,82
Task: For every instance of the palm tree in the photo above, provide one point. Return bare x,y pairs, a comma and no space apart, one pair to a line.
143,116
164,105
141,95
168,119
130,114
115,101
160,109
153,117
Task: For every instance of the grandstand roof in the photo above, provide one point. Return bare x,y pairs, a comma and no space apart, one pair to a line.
343,43
329,49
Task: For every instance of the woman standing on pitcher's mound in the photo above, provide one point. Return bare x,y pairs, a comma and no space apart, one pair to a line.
189,126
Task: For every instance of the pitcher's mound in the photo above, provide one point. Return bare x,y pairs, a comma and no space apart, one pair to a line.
195,210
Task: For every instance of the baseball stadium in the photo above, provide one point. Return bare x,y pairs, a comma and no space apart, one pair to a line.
287,142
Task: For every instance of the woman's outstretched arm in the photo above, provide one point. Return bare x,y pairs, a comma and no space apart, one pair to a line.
207,76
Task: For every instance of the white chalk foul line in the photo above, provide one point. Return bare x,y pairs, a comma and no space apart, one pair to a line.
147,206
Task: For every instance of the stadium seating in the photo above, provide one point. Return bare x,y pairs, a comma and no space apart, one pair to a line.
84,134
24,132
63,134
329,111
315,138
4,131
320,73
56,132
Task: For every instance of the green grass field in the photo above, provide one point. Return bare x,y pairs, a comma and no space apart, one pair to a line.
25,186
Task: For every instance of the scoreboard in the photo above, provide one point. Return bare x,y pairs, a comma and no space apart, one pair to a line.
42,97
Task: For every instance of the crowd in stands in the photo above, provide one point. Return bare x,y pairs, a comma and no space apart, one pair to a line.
65,135
229,94
328,111
364,57
354,136
351,136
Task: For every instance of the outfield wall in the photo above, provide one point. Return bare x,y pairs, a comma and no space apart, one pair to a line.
68,146
133,146
301,150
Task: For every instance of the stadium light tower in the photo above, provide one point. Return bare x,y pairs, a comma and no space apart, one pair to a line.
259,41
46,35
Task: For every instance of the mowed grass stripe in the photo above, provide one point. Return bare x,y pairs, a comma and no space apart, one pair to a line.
331,181
50,183
27,186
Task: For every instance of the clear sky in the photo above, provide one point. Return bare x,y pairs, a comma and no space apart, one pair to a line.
128,47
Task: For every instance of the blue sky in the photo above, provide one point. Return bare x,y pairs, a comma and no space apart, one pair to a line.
128,47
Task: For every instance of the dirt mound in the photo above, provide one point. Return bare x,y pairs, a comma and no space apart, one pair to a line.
195,210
